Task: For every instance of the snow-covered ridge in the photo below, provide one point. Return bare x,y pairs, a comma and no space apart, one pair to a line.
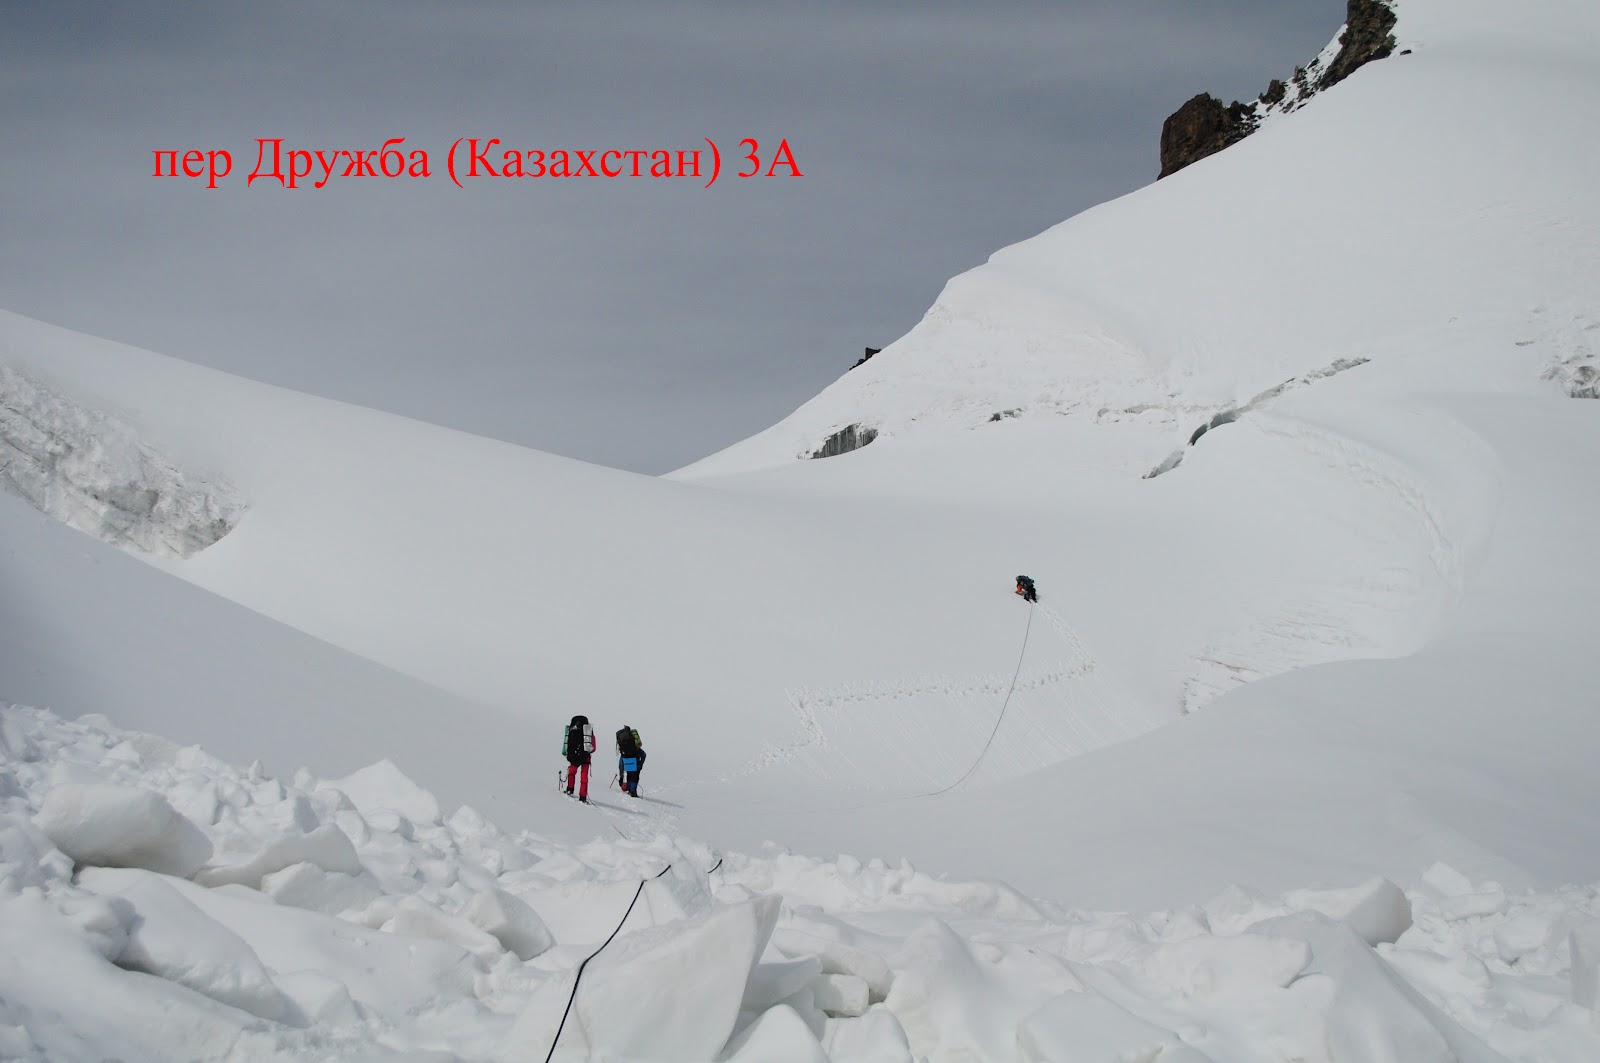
91,470
352,918
1257,264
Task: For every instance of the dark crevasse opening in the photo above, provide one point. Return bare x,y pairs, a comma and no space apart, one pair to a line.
846,439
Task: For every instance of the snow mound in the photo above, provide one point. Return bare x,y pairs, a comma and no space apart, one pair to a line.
1377,910
1089,1028
772,956
118,826
876,1037
88,469
511,921
325,847
780,1035
383,787
621,1010
61,1000
170,938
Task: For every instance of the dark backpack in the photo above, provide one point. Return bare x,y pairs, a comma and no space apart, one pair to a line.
627,743
575,736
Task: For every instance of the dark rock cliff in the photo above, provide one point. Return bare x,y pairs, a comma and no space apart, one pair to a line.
1205,125
1201,127
1368,35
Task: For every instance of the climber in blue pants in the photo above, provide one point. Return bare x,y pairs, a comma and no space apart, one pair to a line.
630,760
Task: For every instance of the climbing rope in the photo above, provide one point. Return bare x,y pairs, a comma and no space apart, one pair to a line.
556,1039
579,977
1001,717
998,720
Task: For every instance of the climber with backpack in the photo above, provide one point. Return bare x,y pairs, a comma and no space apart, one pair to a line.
577,743
1026,589
630,760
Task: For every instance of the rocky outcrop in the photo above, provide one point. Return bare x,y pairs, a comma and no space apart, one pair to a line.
867,357
1368,35
1205,125
1201,127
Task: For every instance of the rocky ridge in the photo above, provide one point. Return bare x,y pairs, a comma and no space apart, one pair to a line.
1205,125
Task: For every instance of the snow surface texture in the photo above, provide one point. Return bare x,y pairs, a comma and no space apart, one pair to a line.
1576,364
443,937
1348,640
92,471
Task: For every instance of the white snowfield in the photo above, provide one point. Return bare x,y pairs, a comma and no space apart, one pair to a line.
1333,660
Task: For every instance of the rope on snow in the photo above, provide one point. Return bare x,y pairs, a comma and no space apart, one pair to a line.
1003,706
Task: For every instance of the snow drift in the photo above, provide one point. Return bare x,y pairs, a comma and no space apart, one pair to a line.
767,956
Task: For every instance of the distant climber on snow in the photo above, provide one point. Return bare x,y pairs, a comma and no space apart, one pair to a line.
630,760
1026,589
577,743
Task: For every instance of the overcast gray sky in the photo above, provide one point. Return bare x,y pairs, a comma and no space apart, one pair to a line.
630,322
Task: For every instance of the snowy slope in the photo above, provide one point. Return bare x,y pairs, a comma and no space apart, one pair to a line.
1475,750
1452,183
791,629
1426,230
535,584
1344,633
